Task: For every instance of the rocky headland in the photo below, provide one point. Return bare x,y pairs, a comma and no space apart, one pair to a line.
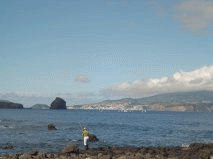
10,105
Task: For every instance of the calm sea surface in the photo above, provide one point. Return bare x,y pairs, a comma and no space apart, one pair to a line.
26,129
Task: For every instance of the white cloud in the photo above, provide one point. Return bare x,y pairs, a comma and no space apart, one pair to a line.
195,15
199,79
82,79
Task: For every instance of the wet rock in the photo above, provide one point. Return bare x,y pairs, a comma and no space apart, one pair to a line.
25,156
100,155
106,157
51,127
93,138
50,155
34,153
13,157
122,157
128,153
70,149
131,156
138,156
73,155
58,103
94,157
6,147
148,155
63,157
82,156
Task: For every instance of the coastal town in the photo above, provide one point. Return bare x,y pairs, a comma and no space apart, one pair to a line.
126,107
121,107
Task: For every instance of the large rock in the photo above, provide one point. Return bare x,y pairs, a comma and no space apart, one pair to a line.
93,138
58,103
70,149
51,127
10,105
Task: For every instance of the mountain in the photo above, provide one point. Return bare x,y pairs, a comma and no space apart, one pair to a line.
179,97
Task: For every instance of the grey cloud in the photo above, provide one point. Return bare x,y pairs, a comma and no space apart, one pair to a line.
196,81
195,15
82,79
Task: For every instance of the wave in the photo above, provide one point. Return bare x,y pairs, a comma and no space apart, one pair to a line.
5,127
185,145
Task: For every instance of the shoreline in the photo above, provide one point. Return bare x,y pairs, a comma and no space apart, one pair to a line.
194,151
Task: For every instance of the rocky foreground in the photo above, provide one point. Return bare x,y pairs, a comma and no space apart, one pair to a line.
193,151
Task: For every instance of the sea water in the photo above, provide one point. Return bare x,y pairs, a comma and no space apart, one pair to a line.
26,129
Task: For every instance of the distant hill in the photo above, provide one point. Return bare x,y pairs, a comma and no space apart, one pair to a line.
195,101
179,97
40,106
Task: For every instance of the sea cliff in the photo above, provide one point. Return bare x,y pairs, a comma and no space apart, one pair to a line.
10,105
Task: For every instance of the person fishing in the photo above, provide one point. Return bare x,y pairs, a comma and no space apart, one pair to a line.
85,134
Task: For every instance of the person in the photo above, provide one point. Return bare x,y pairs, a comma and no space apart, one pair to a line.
85,134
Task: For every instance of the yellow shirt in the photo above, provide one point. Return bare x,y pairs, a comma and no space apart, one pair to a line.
85,133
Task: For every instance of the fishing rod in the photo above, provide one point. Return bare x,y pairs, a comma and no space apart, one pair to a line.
80,125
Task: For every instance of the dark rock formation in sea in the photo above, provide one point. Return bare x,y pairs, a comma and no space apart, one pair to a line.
40,106
58,103
10,105
93,138
51,127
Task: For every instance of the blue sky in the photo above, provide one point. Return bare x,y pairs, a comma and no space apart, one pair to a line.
88,51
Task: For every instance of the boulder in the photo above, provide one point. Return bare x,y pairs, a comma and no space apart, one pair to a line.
51,127
10,105
58,103
70,149
93,138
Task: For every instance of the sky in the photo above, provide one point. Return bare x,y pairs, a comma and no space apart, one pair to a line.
87,51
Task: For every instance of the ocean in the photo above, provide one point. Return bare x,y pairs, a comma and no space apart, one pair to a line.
26,129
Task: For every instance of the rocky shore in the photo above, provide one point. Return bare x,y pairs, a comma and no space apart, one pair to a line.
193,151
